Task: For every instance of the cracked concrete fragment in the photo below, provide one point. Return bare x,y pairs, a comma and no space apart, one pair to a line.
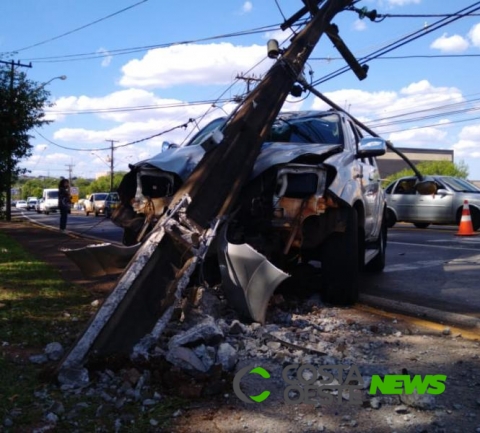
207,331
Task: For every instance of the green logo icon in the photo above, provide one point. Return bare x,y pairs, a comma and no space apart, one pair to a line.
251,398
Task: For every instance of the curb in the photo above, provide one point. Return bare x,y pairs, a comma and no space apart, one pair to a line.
423,314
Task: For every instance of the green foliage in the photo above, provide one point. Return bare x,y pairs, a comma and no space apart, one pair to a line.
38,307
102,184
444,168
22,103
33,187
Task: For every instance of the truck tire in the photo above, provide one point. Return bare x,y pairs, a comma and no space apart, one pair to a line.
87,212
340,264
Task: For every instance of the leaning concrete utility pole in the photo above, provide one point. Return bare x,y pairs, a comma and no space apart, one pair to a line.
142,303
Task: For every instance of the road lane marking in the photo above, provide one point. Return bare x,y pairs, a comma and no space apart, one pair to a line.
412,266
433,246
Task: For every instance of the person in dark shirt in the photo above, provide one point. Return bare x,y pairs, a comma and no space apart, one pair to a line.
64,201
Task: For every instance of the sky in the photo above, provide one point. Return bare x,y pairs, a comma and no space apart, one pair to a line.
141,72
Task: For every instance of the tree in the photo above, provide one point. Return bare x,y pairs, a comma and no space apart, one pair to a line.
102,184
443,168
22,103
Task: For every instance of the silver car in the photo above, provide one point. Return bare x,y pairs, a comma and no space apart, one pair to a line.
314,196
443,207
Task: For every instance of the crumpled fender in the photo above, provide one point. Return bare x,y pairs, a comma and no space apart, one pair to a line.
248,278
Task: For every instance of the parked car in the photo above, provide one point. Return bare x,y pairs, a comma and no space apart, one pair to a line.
95,203
21,204
314,198
112,202
32,203
443,207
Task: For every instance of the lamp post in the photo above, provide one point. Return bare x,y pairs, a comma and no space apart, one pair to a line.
60,77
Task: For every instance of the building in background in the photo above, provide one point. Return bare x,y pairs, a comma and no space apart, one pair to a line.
391,163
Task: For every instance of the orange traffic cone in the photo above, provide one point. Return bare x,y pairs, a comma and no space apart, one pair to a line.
465,228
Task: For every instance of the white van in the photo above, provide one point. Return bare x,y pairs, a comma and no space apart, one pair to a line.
50,201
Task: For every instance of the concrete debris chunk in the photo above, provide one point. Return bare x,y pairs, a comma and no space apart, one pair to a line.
185,358
206,331
54,351
75,377
419,401
227,356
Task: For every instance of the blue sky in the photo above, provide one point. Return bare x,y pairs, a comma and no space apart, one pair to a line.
131,76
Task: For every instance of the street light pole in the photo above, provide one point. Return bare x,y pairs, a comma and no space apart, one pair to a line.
60,77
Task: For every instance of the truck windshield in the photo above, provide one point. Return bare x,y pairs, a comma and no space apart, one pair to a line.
52,194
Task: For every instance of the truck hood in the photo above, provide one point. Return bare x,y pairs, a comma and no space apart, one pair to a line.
183,160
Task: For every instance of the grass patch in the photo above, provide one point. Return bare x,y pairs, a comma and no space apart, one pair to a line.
38,307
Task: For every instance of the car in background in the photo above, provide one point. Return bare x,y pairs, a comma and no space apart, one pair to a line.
95,203
443,207
32,203
112,202
39,205
21,204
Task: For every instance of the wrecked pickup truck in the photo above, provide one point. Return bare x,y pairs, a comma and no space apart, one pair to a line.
314,201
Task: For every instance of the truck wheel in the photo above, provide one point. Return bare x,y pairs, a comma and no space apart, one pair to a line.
378,262
340,267
87,212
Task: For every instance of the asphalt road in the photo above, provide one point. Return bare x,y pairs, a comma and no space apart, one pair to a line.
431,268
91,226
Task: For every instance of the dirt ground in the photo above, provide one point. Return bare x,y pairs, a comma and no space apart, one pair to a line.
377,344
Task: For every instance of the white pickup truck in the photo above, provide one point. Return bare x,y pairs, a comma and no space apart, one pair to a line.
95,203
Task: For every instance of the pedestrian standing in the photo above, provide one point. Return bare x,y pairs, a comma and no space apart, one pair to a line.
64,202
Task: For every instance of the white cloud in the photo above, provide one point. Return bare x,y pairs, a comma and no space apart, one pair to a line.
466,148
402,2
123,98
247,7
474,35
359,25
358,102
107,59
424,137
196,64
450,44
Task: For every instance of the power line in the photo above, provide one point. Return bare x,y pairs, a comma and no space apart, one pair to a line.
184,125
403,41
413,56
123,51
79,28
